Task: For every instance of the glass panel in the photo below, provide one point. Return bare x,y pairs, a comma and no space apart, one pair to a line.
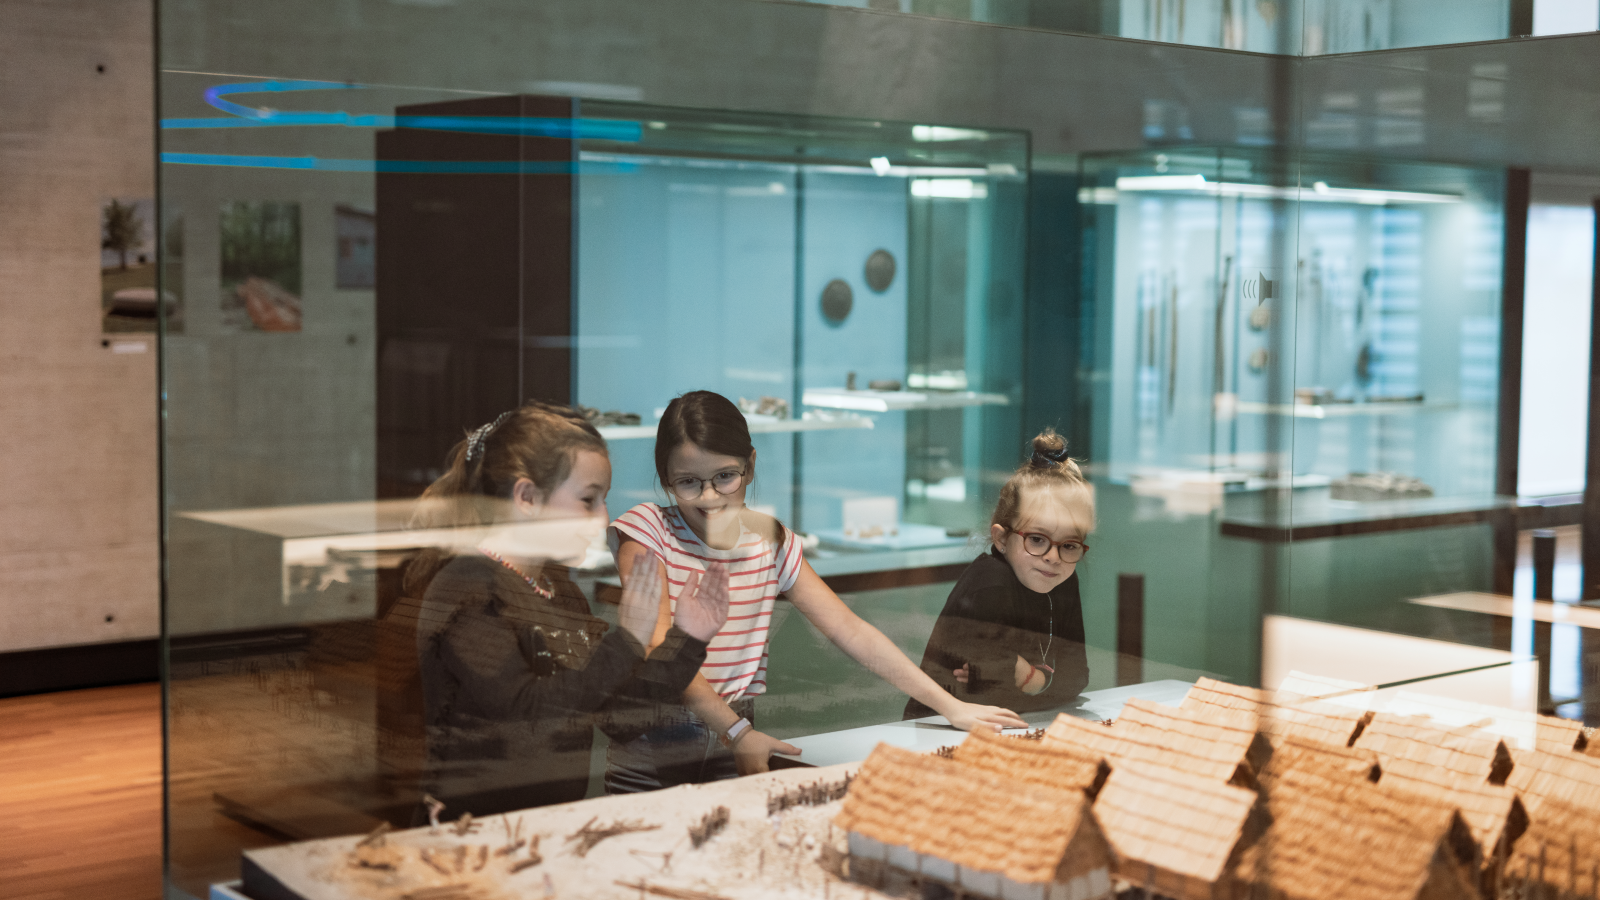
1247,289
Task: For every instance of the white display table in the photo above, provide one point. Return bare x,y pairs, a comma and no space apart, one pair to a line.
929,734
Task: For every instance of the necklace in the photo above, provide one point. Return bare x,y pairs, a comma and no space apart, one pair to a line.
543,587
1050,639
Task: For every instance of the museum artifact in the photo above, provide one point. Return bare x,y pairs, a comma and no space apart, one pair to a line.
880,270
837,301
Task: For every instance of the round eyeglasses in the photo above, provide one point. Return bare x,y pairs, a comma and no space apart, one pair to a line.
688,487
1037,544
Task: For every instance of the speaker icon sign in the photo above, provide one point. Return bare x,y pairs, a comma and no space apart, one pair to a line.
1259,288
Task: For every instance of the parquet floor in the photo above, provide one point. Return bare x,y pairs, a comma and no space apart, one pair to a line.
80,795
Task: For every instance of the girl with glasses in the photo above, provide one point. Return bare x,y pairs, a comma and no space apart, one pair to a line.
706,461
1011,632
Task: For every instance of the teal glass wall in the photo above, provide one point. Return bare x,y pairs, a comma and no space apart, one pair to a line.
1248,258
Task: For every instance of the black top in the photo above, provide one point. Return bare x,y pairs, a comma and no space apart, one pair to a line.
989,620
513,684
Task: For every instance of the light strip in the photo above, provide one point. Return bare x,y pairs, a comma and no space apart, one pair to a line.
1319,192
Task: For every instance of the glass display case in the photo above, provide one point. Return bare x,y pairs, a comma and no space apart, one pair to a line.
1300,353
903,245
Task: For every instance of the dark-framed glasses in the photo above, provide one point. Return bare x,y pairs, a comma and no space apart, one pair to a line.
1039,544
688,487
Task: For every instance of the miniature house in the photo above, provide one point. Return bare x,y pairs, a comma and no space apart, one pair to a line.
1282,714
1334,834
1293,751
926,819
1557,735
1465,753
1493,812
1052,764
1173,833
1558,856
1210,743
1571,778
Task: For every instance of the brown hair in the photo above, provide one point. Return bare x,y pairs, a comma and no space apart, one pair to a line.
1049,467
707,420
538,441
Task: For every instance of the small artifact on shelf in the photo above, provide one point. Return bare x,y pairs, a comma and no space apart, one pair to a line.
1369,486
776,407
610,417
884,384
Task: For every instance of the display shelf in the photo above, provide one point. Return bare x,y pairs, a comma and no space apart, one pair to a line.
888,401
1341,410
1313,514
757,426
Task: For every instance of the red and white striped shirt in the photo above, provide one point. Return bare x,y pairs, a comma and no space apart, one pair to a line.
736,658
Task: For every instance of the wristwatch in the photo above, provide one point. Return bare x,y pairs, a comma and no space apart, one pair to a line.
735,731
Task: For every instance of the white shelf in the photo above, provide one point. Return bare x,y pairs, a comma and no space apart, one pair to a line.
1340,410
757,426
886,401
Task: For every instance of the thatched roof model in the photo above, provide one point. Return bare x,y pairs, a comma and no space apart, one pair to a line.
1295,751
1464,753
1571,778
1557,735
1174,833
1054,764
1335,834
1282,714
965,815
1560,852
1493,812
1212,744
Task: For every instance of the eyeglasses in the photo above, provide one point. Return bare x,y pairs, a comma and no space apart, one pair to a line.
688,487
1037,544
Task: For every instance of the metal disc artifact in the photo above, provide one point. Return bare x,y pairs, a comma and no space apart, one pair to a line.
880,270
837,300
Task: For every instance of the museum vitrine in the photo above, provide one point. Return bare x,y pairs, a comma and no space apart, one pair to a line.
902,245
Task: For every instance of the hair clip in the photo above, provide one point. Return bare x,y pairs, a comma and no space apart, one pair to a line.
481,434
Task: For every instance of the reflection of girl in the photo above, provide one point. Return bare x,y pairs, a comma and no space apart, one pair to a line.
1012,629
705,459
515,669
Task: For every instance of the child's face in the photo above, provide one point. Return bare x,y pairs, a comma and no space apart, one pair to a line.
707,511
573,514
1053,517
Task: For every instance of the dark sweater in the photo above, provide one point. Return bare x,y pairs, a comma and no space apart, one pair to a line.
988,621
513,684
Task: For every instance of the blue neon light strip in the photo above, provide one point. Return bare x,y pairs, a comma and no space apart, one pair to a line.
255,117
315,164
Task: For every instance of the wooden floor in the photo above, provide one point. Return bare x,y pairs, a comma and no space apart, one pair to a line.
80,795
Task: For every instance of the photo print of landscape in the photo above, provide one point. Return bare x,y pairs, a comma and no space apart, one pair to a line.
260,243
128,264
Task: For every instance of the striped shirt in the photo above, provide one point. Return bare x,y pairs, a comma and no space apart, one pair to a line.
736,659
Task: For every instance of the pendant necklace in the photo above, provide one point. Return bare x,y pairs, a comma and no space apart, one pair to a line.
1044,648
543,587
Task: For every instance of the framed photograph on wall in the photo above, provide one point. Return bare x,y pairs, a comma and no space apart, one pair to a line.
128,267
261,265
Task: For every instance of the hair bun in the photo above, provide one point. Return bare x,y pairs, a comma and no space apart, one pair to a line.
1049,451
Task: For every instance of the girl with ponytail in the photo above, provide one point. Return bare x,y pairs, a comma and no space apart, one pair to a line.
515,669
1011,632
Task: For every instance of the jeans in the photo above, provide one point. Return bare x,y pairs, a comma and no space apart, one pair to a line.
679,749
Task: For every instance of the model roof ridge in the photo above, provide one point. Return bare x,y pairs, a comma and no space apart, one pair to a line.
1394,736
1572,778
1223,735
1336,834
1051,763
1173,832
962,814
1294,751
1282,712
1523,728
1152,745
